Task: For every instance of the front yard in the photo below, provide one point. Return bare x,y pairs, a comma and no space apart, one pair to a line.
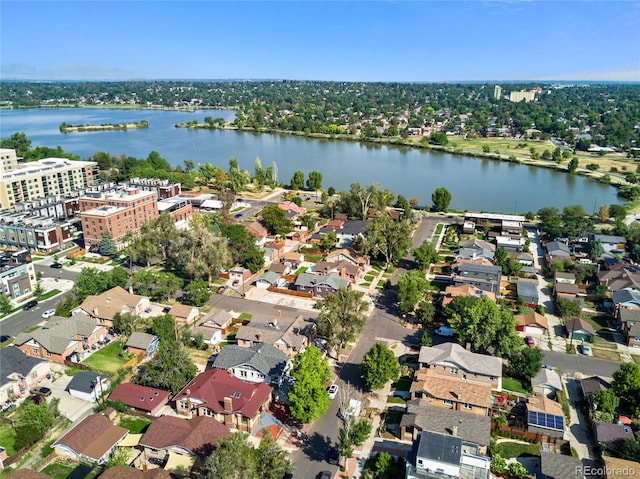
108,359
7,438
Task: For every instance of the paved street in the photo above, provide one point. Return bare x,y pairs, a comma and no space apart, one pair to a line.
571,363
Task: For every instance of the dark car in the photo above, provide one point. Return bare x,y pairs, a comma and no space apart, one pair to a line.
31,304
56,265
325,475
42,391
238,215
4,338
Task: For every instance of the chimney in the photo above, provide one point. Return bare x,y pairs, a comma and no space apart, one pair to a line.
454,431
228,404
259,336
468,347
95,311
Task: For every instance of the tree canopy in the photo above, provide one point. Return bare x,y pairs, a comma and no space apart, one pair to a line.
626,383
341,317
170,368
387,238
411,288
379,366
308,398
440,199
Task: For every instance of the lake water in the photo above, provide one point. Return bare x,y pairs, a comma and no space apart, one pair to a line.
475,184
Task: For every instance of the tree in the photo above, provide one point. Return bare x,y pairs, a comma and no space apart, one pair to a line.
567,308
413,202
107,245
5,304
387,238
425,338
379,366
498,464
605,400
526,363
441,198
314,182
352,433
425,255
170,368
341,317
242,247
603,213
596,250
297,180
550,221
576,221
617,211
626,383
125,323
233,458
328,240
517,470
573,165
199,292
403,204
159,286
628,449
308,396
119,457
425,313
271,461
411,288
164,327
276,221
32,421
438,138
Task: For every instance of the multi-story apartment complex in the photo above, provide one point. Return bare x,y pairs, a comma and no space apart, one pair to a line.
518,96
36,233
17,275
118,212
164,188
497,92
22,182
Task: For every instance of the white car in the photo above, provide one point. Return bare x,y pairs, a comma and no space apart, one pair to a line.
333,391
48,313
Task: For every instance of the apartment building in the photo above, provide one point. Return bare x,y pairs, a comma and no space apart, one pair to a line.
22,182
17,275
118,212
36,233
163,188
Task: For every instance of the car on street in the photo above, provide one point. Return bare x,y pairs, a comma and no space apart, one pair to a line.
530,342
333,391
585,349
42,391
4,338
48,313
325,475
31,304
55,265
238,215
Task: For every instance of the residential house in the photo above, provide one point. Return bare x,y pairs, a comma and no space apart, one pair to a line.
88,385
620,275
101,308
143,398
349,231
558,249
465,290
349,255
320,285
546,382
484,277
510,244
525,259
445,455
20,373
289,336
218,394
270,279
625,299
293,259
593,384
273,251
607,434
422,416
257,230
451,392
292,210
476,248
218,319
528,292
240,274
616,468
344,269
65,339
182,442
90,440
531,323
452,360
612,245
559,466
545,416
183,314
579,330
566,290
496,224
279,268
562,277
142,343
17,276
258,363
632,333
127,472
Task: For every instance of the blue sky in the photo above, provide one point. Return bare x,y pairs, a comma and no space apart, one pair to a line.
307,40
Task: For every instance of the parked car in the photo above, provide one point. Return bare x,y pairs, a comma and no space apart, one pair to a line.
238,215
56,265
333,391
444,331
530,342
325,475
42,391
31,304
585,349
48,313
4,338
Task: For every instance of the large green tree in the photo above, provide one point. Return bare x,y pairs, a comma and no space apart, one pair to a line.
275,220
379,366
170,368
341,317
199,293
32,421
386,238
297,180
242,247
626,383
314,182
526,363
308,398
159,286
411,288
107,244
425,255
440,199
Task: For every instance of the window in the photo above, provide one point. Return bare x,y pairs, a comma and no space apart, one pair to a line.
35,350
453,370
447,402
47,354
466,405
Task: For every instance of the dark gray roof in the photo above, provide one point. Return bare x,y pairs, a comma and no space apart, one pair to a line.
472,428
559,466
480,268
14,361
440,447
332,279
527,288
558,248
610,239
352,227
609,433
269,276
85,381
625,296
265,358
593,384
55,337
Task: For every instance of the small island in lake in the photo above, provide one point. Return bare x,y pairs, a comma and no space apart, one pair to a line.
68,128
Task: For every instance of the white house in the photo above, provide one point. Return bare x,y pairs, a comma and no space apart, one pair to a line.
88,385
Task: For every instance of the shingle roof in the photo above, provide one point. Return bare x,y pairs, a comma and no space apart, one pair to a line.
566,288
139,397
14,361
332,279
213,386
454,353
531,318
476,244
479,268
558,248
218,318
578,324
609,433
610,239
593,384
198,435
291,333
547,377
126,472
471,427
140,340
265,358
181,310
56,337
629,315
625,296
85,381
440,447
93,437
527,288
107,304
619,468
269,276
559,466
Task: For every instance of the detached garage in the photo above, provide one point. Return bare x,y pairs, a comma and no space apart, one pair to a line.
88,385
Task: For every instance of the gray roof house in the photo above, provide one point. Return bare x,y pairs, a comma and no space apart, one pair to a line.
626,298
88,385
485,277
142,342
548,381
320,285
19,372
593,384
612,245
475,248
267,279
557,248
607,434
559,466
258,363
289,336
527,291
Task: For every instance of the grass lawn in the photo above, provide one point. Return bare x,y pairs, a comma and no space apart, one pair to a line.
396,400
31,329
393,417
245,316
369,278
514,449
7,438
514,385
48,294
135,425
439,228
199,356
107,359
606,354
381,283
58,471
312,258
436,286
365,284
301,269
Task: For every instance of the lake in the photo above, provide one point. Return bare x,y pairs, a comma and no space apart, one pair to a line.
475,184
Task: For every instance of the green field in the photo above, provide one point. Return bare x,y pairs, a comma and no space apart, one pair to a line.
108,359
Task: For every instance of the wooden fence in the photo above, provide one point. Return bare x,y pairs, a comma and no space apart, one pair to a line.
517,432
290,292
133,361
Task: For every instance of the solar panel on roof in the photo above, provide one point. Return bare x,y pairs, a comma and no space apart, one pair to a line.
548,421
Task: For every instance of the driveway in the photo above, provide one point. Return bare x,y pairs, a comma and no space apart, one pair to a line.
69,406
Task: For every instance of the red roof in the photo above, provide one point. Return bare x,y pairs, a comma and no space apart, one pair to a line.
199,435
139,397
213,386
